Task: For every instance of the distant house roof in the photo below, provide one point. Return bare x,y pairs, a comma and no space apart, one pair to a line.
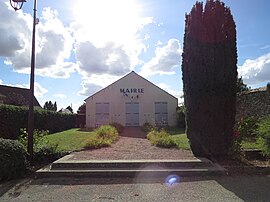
65,111
256,90
15,96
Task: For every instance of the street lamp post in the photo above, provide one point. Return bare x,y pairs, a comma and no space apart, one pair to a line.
17,4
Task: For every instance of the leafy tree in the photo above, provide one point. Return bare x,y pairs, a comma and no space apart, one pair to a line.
209,77
82,109
55,107
50,106
241,86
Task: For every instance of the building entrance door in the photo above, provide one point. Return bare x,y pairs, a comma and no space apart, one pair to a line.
132,114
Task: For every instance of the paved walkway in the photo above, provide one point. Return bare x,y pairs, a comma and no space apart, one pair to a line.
132,145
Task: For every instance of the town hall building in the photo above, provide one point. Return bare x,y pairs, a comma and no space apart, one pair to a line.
131,101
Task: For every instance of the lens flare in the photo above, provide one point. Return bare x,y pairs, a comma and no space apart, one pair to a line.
172,180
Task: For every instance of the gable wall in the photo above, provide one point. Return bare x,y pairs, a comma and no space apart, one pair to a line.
117,100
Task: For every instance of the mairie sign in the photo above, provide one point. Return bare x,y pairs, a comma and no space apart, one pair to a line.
131,90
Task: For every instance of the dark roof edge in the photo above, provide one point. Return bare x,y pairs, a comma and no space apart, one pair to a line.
22,89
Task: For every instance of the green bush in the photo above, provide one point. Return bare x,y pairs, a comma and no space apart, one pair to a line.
147,127
107,132
13,159
47,153
13,118
104,137
119,127
244,130
95,143
247,127
181,117
161,139
38,138
43,151
263,131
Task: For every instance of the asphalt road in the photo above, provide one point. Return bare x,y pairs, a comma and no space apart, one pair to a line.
226,188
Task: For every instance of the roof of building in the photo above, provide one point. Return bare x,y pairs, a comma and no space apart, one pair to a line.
130,73
65,111
16,96
256,90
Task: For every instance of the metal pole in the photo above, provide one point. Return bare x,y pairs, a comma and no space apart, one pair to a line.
31,93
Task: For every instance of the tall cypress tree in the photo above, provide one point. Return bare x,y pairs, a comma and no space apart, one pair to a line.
209,77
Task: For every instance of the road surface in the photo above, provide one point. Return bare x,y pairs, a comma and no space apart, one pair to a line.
226,188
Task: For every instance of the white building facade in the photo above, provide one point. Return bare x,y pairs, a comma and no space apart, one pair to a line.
131,101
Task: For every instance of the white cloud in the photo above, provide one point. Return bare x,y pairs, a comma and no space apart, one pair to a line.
109,37
177,94
256,71
14,30
110,59
107,42
95,83
39,91
1,82
54,42
165,60
89,88
265,47
60,95
159,43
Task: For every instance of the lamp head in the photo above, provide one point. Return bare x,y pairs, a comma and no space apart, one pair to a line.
16,4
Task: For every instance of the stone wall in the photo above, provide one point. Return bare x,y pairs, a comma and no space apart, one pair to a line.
253,103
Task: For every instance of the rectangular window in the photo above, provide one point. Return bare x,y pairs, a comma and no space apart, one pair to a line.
161,113
132,114
102,113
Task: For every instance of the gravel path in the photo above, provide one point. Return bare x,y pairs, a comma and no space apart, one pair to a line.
132,145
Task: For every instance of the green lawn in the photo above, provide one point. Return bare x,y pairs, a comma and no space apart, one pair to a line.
74,139
180,138
70,140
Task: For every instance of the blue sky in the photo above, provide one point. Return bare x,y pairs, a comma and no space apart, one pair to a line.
83,46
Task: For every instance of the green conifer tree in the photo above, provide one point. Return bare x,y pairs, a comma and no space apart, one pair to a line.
209,77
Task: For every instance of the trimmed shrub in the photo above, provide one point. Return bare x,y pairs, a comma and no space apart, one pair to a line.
95,143
13,159
263,131
209,73
119,127
147,127
107,132
13,118
161,139
104,137
47,153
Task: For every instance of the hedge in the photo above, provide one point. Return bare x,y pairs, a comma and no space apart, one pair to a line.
13,118
13,159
